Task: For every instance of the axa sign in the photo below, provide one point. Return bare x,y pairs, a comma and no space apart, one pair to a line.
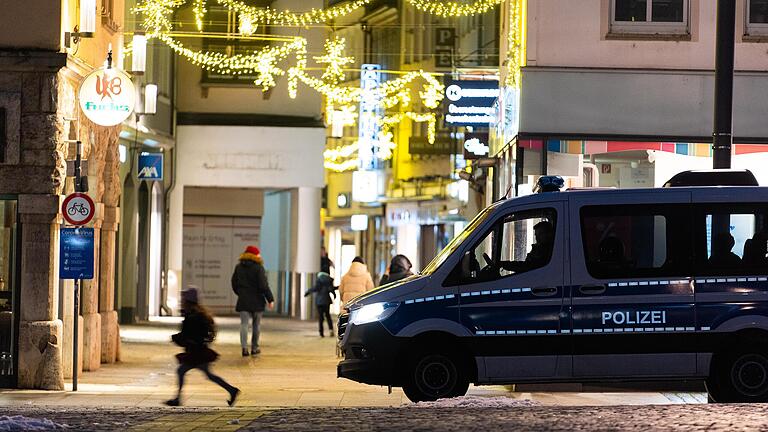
150,166
107,96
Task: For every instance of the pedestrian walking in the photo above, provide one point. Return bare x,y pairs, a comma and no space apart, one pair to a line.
325,262
399,268
249,281
197,332
355,282
324,295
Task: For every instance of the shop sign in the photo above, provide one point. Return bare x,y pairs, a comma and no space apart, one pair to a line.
445,42
370,111
76,253
150,166
476,145
77,208
470,102
421,146
410,213
359,222
107,96
365,186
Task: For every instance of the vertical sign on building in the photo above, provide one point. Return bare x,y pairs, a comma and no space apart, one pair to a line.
445,44
370,111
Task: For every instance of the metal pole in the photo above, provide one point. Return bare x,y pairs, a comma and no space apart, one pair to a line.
722,136
76,338
76,318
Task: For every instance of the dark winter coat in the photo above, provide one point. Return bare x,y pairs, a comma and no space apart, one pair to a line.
323,290
197,331
249,281
399,268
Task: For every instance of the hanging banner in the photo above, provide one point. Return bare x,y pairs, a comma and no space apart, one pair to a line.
370,111
107,96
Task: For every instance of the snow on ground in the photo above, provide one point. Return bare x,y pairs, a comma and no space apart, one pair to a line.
477,402
21,423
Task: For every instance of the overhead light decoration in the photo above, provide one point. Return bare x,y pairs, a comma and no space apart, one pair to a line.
246,25
199,10
335,60
515,44
448,9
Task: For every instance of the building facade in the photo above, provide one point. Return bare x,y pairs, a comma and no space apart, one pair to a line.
620,93
40,73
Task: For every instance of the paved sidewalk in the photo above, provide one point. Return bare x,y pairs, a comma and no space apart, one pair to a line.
296,369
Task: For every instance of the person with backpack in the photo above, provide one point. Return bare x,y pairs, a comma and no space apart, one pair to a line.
324,295
249,282
197,332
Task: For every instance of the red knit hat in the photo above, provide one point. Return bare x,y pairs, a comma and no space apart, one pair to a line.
253,250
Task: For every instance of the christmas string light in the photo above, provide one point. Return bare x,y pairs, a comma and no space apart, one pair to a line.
515,44
448,9
270,16
199,10
335,60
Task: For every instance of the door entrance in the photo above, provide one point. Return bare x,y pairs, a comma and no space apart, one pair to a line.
9,296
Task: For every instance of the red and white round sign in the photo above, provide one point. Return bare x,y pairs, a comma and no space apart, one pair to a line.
78,208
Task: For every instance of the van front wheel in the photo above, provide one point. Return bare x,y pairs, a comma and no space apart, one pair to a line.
435,376
739,377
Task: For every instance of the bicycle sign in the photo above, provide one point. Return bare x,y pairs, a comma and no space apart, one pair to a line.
77,208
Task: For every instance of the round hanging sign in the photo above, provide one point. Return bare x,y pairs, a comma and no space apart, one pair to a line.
77,208
107,96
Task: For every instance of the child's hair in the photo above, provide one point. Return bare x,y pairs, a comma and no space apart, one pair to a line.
201,310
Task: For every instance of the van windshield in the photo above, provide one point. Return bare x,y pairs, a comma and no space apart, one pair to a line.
456,242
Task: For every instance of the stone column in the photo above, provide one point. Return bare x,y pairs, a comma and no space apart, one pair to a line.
110,335
40,333
90,305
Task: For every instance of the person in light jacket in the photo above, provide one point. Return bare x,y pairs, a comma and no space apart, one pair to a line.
355,282
249,282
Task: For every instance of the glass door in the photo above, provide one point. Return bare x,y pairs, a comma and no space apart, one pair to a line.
8,292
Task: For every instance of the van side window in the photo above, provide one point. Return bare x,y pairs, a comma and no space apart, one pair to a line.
732,240
517,243
634,241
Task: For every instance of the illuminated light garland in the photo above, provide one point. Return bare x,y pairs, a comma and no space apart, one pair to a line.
246,25
515,44
335,60
447,9
285,18
199,10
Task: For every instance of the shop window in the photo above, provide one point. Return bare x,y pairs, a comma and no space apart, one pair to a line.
7,297
733,242
647,17
635,241
757,17
518,243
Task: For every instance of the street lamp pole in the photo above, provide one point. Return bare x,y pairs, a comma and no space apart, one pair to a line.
722,135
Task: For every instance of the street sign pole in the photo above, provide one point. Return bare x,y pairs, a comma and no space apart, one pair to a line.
76,318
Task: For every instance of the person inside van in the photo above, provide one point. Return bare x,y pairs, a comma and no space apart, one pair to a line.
722,255
756,251
541,250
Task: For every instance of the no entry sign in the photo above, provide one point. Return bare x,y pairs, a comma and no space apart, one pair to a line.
78,209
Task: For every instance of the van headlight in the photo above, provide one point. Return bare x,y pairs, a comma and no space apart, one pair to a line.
372,312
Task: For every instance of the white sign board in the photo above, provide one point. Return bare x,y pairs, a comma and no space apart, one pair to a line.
107,96
365,186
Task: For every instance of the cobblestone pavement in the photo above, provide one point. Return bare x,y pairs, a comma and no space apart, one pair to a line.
523,418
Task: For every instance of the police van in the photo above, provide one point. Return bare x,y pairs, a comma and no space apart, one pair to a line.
581,286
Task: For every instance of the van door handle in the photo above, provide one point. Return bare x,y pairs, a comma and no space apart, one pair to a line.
544,291
592,289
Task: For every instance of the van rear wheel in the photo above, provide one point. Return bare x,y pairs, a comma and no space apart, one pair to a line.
433,376
739,377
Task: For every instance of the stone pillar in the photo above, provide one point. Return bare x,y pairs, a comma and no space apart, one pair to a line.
90,305
110,335
40,333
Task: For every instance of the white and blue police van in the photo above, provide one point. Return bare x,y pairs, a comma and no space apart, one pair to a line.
586,286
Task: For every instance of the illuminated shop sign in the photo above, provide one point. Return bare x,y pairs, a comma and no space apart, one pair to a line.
475,145
470,102
370,111
107,96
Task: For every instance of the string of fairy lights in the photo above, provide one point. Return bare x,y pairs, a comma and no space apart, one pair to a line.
288,57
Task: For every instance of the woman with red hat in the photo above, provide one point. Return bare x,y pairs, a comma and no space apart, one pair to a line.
249,281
